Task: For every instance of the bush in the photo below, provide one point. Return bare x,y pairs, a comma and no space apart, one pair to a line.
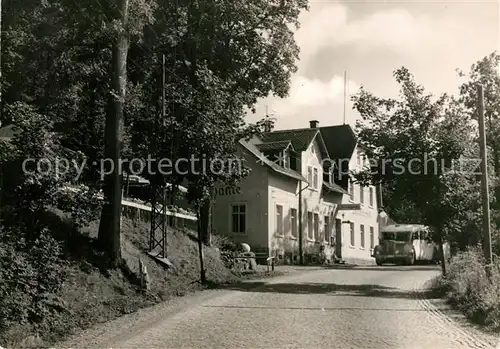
224,244
227,248
468,287
31,273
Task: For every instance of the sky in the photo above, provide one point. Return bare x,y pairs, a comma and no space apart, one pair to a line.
369,40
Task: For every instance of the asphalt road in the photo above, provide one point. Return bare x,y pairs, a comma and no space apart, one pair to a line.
371,307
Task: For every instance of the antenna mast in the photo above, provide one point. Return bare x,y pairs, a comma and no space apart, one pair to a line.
345,84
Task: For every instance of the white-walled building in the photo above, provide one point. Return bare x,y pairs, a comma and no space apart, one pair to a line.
293,190
360,226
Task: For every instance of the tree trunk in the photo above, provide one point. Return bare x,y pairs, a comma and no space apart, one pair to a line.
203,278
205,221
109,227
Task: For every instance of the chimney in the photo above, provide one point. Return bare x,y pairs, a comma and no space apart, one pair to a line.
268,126
314,123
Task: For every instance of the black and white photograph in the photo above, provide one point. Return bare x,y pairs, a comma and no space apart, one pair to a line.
254,174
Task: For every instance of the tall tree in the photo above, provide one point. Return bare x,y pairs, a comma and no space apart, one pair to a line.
221,56
420,140
109,227
487,73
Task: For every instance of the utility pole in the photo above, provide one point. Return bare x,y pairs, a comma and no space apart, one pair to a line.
301,254
484,181
158,230
1,81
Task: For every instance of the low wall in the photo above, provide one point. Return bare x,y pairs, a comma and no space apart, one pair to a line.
142,213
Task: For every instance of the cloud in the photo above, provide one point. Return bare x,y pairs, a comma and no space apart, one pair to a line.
306,93
310,98
329,25
429,42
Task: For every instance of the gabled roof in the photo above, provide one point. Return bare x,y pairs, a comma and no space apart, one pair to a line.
301,138
251,146
340,141
274,146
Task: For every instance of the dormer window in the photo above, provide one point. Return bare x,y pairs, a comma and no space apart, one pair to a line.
293,160
284,159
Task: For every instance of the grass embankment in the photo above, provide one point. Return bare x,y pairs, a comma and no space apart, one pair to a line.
90,294
468,289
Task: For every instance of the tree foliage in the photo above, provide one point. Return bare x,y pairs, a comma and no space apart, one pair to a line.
425,148
487,73
221,56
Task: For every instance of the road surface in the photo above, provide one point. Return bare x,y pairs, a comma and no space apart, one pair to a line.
370,307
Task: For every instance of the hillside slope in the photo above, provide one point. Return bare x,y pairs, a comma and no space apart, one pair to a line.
90,294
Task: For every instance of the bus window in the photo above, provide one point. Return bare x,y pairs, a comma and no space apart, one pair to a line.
416,235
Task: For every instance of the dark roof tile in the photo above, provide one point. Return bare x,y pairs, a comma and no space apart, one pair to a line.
340,141
300,138
270,146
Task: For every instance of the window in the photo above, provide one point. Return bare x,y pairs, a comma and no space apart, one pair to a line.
352,234
316,227
293,221
286,159
358,159
361,194
327,233
372,237
315,178
309,225
371,196
362,235
351,190
294,162
309,174
238,219
279,220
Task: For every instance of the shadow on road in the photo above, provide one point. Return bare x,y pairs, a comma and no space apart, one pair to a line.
315,308
389,268
334,289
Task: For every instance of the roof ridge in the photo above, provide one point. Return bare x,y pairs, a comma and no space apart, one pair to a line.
295,129
268,142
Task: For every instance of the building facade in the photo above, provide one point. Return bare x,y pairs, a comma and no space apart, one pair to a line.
289,201
359,221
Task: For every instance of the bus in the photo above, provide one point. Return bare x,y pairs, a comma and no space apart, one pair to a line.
407,244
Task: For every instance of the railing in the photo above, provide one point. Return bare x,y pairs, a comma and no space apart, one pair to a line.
142,206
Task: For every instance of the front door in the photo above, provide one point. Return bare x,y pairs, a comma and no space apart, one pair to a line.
338,238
